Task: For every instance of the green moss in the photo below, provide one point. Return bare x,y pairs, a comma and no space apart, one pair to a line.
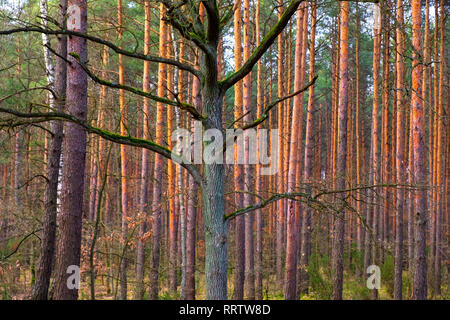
75,55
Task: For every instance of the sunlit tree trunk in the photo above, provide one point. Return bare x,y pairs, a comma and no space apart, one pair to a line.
440,177
308,167
385,141
124,159
173,217
299,170
158,169
143,205
417,118
239,267
280,244
290,289
338,243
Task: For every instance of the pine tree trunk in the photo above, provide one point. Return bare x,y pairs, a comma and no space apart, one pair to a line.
308,160
338,243
239,267
248,199
123,166
417,118
259,178
143,205
441,151
158,169
74,146
292,232
399,154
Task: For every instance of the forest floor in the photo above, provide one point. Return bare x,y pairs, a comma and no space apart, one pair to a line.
354,289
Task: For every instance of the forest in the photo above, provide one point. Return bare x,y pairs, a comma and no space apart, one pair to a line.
224,149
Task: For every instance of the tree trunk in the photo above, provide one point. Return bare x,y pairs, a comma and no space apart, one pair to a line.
360,233
308,167
259,179
370,249
173,217
400,157
239,267
440,178
123,166
47,251
248,199
68,253
143,205
417,118
292,232
280,215
158,169
338,243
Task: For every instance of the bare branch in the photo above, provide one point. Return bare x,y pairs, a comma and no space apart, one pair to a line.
111,136
151,58
182,105
265,113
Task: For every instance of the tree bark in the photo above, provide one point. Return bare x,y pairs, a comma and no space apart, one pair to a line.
292,232
239,268
338,243
143,205
124,163
308,167
47,251
399,154
417,118
247,108
74,144
158,169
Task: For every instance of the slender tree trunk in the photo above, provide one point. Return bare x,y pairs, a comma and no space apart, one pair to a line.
259,178
399,154
158,169
338,243
191,219
410,201
440,178
373,210
308,167
247,108
385,145
123,165
290,289
280,204
143,205
360,233
239,267
180,182
420,275
173,219
47,251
